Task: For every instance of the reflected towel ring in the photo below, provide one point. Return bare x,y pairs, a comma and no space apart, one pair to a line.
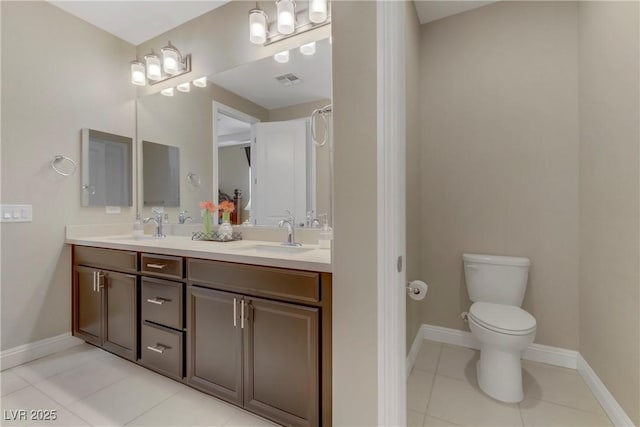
328,109
60,158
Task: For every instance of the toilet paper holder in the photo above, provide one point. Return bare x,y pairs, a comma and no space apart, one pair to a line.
417,289
412,290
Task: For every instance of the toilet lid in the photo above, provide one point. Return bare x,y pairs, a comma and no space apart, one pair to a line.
506,319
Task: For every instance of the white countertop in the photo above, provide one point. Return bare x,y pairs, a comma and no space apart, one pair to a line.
256,252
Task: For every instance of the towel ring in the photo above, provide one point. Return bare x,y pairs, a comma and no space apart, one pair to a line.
193,179
60,158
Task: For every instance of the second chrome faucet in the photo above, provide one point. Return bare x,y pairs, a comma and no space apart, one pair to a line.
290,223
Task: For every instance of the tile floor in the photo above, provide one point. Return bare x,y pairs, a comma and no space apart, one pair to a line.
87,386
442,391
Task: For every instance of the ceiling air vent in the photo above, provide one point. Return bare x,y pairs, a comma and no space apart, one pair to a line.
288,79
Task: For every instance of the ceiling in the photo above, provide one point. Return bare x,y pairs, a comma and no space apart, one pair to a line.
137,21
256,81
432,10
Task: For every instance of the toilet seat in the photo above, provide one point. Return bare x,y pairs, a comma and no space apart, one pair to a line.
501,318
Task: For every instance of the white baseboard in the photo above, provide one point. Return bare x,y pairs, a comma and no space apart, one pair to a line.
35,350
614,411
413,352
537,353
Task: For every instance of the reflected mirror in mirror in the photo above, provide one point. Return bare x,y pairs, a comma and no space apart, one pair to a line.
247,137
106,169
161,174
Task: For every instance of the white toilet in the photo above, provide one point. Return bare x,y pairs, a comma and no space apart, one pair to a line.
496,285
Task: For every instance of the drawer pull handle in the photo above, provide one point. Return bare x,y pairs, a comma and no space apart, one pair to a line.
235,314
158,348
156,266
158,301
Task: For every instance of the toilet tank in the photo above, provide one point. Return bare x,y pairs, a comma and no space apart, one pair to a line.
497,279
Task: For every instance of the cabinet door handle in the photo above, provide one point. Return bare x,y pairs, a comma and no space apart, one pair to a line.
242,314
94,280
158,300
157,266
101,277
158,348
235,313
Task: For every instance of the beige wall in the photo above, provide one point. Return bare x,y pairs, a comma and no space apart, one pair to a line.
609,191
59,74
239,103
355,366
414,219
297,111
500,156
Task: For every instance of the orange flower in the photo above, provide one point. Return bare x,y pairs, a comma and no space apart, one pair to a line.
208,205
227,206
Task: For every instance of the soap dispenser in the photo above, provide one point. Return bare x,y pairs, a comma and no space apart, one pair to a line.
326,234
138,228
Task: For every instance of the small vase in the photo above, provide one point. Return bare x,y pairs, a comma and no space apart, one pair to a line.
225,231
206,222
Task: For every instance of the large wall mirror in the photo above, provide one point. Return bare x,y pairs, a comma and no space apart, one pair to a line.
245,137
107,169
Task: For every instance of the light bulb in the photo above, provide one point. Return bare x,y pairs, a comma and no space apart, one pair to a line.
201,82
184,87
317,11
138,73
154,72
167,92
282,57
170,59
308,49
286,16
257,26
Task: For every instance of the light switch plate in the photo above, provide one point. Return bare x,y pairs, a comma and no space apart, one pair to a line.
112,209
17,213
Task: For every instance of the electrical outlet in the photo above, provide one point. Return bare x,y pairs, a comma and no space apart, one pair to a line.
112,209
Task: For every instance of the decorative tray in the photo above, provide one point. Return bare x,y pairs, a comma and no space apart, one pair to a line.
214,236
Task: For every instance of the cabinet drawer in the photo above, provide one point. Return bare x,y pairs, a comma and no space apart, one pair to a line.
162,350
162,302
111,259
255,280
162,265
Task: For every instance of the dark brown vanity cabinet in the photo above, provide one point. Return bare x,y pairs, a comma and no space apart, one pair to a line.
260,353
105,299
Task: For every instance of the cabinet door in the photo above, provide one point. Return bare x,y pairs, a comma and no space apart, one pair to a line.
120,320
214,343
87,305
281,362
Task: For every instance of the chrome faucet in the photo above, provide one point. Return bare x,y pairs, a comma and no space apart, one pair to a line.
290,222
158,221
311,222
182,218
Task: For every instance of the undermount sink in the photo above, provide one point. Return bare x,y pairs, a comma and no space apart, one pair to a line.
131,238
277,249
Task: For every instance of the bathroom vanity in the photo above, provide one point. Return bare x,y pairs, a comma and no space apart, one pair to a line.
243,321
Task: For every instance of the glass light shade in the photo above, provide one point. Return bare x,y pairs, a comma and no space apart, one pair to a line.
282,57
138,77
257,26
170,60
201,82
184,87
154,72
317,11
286,16
167,92
308,49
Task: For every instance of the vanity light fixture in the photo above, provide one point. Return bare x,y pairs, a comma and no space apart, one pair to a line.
157,69
282,57
201,82
184,87
308,49
287,23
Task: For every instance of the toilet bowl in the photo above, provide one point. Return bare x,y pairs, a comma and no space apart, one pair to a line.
496,285
503,331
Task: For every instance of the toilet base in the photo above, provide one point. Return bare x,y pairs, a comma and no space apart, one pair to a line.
500,374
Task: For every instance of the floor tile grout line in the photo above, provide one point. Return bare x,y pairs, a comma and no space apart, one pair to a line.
433,383
151,408
570,407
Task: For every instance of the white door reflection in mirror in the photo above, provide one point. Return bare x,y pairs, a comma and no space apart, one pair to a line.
280,160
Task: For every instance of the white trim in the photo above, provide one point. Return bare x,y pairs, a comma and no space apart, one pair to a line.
35,350
391,292
413,352
611,407
535,352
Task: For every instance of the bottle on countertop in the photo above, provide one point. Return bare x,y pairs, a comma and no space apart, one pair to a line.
326,234
138,228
